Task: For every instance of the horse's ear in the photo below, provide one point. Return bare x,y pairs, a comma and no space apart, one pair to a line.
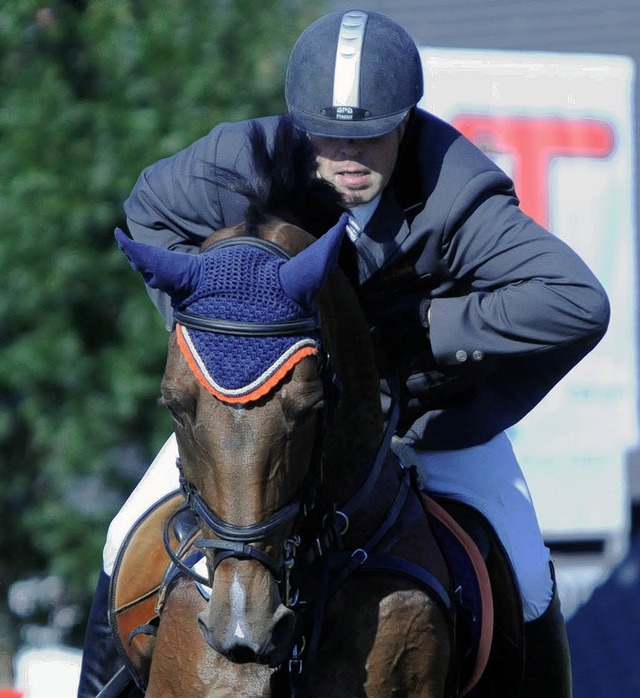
304,275
175,273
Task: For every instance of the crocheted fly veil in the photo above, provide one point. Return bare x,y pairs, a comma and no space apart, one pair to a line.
240,284
254,307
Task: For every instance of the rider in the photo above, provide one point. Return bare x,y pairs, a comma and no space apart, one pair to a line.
481,310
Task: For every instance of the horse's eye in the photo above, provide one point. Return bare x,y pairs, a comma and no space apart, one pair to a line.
180,407
175,415
315,409
301,411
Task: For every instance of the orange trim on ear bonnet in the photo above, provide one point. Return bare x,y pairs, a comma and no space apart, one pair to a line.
258,387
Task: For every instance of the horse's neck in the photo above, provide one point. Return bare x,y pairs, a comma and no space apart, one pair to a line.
355,431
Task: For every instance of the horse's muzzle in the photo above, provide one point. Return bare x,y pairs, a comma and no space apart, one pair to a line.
268,642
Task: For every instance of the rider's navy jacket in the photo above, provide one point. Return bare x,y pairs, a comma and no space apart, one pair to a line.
513,308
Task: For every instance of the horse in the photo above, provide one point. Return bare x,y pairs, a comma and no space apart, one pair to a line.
321,573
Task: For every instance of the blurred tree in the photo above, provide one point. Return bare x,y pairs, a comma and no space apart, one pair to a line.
92,91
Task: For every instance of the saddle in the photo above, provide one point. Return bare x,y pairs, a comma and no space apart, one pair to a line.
498,670
488,619
140,582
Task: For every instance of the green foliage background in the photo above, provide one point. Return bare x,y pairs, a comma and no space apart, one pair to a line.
91,92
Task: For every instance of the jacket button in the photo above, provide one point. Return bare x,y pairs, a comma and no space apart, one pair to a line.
477,355
461,355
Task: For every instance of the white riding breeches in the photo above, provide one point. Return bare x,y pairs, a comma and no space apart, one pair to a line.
486,477
160,479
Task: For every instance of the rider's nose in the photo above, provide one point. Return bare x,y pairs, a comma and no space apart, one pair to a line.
351,146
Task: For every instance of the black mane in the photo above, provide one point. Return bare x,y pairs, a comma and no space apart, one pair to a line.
284,183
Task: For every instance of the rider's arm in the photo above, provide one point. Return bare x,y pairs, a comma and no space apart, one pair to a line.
174,205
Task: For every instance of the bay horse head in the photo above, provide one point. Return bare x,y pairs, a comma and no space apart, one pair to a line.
272,387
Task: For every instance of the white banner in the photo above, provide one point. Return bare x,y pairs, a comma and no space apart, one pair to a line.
561,126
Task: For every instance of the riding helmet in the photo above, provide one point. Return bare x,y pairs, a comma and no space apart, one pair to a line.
353,74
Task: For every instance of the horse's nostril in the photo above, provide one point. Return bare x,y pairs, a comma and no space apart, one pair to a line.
282,635
234,651
241,655
206,632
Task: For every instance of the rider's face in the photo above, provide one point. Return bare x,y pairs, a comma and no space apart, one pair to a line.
359,168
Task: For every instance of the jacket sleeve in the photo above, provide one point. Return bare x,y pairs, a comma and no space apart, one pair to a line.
528,290
532,310
174,205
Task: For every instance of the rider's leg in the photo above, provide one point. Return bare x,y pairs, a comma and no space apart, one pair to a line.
489,478
160,479
547,669
100,659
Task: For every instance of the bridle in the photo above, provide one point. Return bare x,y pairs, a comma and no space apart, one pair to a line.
233,540
238,542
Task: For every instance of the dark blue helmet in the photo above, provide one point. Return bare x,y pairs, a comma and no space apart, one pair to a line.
353,74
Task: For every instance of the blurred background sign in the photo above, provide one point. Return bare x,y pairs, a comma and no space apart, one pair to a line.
562,126
46,672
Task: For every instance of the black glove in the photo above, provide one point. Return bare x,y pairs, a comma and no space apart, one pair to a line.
400,326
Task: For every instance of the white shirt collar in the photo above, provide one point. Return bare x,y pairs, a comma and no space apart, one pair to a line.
360,215
364,212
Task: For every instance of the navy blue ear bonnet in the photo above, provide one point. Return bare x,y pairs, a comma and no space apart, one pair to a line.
237,287
240,284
